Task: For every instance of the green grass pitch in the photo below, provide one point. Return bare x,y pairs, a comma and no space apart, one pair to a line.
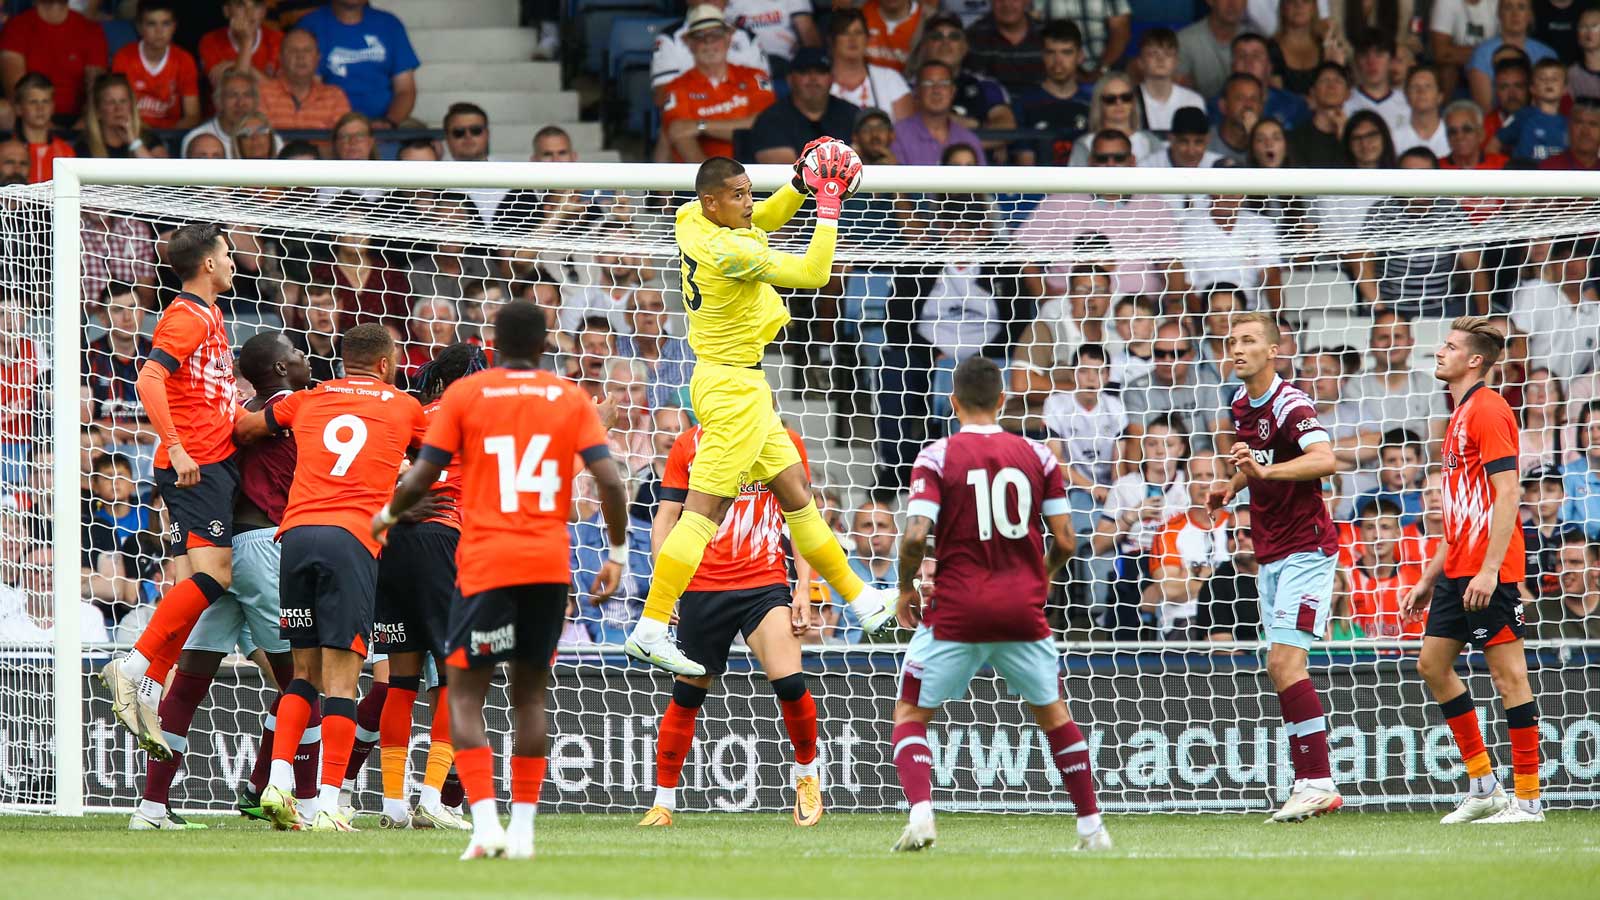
765,857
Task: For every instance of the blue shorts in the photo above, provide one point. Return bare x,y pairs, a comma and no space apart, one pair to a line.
936,671
1296,597
247,616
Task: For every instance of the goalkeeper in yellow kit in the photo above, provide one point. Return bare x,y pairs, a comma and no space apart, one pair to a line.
728,277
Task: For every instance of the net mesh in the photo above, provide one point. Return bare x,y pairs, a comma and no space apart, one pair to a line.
1179,718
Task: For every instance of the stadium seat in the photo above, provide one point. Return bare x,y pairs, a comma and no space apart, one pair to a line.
628,51
632,41
598,16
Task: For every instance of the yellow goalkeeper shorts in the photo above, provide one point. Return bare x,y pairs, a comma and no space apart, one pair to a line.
741,437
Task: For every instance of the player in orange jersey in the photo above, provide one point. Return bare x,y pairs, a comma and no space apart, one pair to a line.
352,435
520,432
189,395
1483,563
741,587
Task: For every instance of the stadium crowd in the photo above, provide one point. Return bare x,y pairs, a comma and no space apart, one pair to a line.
1120,365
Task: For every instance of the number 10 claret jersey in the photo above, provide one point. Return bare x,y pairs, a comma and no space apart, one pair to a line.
519,434
987,491
351,435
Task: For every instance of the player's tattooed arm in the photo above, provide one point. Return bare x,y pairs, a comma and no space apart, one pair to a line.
913,548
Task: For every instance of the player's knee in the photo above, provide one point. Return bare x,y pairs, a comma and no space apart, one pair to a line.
1431,668
213,583
1285,669
688,696
790,687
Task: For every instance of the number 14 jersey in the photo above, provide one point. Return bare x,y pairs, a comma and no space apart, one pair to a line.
520,436
986,491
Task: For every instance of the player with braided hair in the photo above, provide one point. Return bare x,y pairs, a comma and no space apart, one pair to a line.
416,585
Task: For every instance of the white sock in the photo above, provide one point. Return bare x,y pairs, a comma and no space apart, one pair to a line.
921,812
1088,825
396,809
1484,785
869,600
309,807
522,816
149,691
152,810
134,665
328,797
1528,806
667,797
1321,784
282,775
428,798
648,631
485,818
805,770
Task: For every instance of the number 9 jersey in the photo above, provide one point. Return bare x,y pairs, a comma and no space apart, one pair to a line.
351,435
519,435
987,491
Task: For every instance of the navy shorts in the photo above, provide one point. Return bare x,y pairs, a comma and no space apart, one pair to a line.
202,515
521,622
328,583
1499,622
708,621
416,588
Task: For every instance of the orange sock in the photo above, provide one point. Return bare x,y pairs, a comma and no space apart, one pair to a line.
527,778
175,615
674,737
1463,721
394,735
475,765
441,753
338,738
1524,726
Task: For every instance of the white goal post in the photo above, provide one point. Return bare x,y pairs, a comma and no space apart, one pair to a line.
1174,714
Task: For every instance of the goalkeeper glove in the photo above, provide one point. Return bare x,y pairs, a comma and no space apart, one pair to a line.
798,182
836,168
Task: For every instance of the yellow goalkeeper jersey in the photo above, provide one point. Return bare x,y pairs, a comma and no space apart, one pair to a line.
729,274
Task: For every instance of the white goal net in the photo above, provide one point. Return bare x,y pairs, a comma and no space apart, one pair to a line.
1105,296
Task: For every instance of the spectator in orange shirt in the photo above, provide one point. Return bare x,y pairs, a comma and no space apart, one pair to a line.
244,34
36,105
298,98
57,42
892,28
704,106
165,80
1185,554
1380,577
1463,128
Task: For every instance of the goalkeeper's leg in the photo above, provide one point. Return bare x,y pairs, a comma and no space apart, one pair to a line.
676,563
815,541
